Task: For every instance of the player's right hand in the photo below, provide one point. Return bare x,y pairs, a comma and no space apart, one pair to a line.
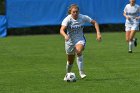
66,38
127,17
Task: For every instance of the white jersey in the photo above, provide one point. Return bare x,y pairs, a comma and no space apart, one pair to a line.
75,31
132,12
75,27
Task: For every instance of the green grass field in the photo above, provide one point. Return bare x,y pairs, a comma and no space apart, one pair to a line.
36,64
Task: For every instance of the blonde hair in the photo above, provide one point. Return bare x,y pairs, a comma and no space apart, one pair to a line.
71,7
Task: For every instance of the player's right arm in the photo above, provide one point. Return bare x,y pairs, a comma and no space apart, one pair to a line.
63,28
63,33
127,17
124,13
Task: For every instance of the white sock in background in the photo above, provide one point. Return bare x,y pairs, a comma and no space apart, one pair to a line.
131,45
68,67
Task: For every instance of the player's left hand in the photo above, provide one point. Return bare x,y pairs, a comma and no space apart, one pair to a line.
99,37
137,18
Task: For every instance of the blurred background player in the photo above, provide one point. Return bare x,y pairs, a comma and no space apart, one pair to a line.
131,13
74,38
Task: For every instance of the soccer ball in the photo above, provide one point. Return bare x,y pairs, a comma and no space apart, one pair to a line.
71,77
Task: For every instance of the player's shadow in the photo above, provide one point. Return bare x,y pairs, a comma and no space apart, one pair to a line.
104,79
136,52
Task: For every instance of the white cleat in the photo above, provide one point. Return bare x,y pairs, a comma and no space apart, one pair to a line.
82,75
65,79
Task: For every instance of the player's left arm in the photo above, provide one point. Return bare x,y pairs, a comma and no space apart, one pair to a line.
99,37
138,18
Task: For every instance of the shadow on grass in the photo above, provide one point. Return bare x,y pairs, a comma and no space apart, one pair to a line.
105,79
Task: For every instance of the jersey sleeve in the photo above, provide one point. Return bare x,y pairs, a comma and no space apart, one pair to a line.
125,9
139,9
87,19
65,22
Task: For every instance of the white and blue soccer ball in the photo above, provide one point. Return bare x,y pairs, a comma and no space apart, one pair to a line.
71,77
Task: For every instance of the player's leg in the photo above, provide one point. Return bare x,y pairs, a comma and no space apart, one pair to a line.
69,64
132,34
134,29
130,44
70,60
132,40
70,57
78,49
129,38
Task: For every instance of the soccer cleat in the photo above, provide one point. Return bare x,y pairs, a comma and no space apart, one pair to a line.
135,42
129,51
82,75
65,78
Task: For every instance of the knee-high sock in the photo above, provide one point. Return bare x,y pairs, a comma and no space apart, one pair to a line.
68,67
80,63
131,45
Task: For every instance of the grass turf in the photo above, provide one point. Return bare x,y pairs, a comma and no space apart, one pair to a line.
36,64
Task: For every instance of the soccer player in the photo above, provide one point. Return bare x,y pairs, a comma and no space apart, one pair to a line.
74,37
131,13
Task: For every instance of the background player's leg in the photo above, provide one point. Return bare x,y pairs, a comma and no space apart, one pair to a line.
131,40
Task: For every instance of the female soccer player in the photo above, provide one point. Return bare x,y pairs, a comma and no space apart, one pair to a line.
74,38
131,13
